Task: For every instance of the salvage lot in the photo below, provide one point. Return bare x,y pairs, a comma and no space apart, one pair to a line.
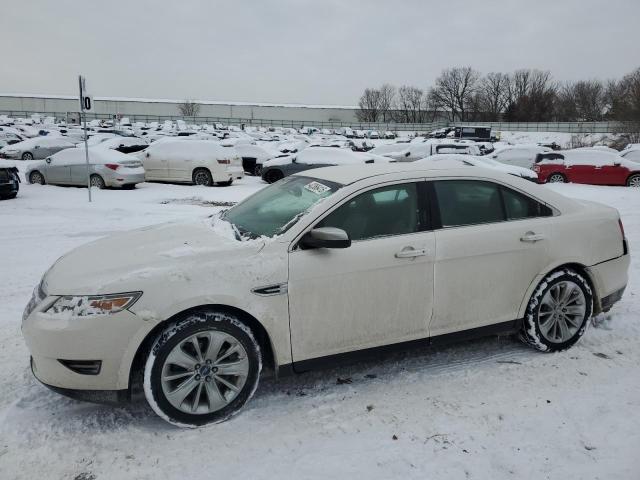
531,415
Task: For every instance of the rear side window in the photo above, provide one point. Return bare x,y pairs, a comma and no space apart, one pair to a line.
468,202
518,206
474,202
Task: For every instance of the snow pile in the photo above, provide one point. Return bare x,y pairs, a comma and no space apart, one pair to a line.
195,150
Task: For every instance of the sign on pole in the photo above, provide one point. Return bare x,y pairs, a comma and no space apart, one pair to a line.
86,103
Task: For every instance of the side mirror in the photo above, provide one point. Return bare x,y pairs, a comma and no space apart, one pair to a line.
617,164
326,237
48,160
37,146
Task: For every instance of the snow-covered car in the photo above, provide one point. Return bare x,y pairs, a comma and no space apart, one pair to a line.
389,135
124,144
201,162
107,168
253,157
631,154
416,151
316,157
9,181
324,266
359,134
521,156
35,148
481,161
373,134
594,167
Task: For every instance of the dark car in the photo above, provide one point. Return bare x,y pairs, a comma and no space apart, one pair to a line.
9,181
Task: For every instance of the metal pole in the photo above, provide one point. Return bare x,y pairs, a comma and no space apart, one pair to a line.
86,147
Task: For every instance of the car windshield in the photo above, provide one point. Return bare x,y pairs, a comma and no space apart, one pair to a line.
276,208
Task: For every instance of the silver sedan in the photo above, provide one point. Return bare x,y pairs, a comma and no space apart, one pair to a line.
107,168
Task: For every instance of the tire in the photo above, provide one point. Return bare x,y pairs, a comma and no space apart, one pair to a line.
202,176
176,343
227,183
556,178
257,171
273,176
97,181
27,156
36,177
633,181
548,331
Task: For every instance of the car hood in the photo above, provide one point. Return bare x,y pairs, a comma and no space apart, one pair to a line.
127,261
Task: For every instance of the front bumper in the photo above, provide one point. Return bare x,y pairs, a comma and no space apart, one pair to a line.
111,339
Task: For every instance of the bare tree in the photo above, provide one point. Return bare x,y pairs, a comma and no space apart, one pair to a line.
369,104
189,108
454,90
387,99
410,107
531,96
493,94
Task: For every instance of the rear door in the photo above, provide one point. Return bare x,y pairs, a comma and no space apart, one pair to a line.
492,244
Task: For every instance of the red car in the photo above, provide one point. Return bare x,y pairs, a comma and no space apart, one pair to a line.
594,167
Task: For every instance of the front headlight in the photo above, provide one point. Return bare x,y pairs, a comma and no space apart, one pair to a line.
81,306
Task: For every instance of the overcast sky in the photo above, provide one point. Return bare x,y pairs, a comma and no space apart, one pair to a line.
298,51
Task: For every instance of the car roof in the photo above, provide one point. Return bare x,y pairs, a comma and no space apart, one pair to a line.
348,174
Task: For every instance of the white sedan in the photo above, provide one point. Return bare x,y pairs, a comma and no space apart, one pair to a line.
320,267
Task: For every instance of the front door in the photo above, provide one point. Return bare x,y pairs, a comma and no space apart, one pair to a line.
57,171
155,167
379,290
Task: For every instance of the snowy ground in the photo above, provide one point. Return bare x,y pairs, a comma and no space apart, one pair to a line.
488,409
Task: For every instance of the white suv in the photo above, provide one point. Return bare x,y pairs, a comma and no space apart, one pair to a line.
316,268
201,162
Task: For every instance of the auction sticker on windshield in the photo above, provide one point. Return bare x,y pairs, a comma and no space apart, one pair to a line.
317,188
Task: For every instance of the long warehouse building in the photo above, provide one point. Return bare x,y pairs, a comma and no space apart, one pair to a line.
64,105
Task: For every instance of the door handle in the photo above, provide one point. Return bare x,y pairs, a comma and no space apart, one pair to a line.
532,237
410,252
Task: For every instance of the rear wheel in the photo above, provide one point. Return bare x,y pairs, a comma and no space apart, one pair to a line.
202,369
36,178
202,176
556,178
273,176
633,181
97,181
27,156
558,312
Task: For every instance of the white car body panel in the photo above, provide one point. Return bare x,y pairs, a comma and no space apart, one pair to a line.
331,301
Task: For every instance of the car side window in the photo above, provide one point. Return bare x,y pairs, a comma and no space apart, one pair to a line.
518,206
468,202
391,210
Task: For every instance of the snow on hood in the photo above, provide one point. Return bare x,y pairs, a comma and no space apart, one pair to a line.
327,156
484,162
125,261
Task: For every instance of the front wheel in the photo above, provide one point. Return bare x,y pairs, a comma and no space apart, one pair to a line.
27,156
36,178
556,178
633,181
558,312
202,369
273,176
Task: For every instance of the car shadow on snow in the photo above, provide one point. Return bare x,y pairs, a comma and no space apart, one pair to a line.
55,412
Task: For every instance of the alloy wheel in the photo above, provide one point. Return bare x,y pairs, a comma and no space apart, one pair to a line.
562,312
556,178
634,181
204,372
